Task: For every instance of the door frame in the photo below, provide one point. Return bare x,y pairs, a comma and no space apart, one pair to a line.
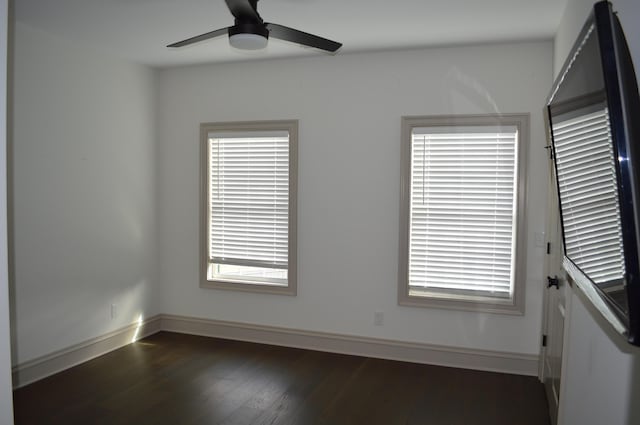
554,303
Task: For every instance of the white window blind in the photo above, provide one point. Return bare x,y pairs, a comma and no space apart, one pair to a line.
249,204
588,190
462,206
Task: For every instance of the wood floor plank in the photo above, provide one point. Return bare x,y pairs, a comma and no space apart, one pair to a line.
171,379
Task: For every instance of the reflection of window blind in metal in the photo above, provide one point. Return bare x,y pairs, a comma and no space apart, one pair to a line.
249,200
588,191
461,237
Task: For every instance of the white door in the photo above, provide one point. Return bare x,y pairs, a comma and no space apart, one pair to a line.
554,302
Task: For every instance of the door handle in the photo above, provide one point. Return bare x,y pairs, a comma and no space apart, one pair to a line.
553,281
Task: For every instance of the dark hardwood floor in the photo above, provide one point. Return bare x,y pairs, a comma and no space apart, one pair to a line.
179,379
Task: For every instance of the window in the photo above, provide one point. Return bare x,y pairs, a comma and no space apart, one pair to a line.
462,212
248,206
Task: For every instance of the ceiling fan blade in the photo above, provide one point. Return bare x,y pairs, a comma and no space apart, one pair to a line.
200,37
244,11
300,37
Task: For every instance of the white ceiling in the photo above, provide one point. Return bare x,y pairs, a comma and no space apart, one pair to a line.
139,30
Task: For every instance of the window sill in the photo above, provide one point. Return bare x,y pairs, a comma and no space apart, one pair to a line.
481,305
249,287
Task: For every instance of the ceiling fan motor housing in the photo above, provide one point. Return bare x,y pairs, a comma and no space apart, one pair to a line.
249,28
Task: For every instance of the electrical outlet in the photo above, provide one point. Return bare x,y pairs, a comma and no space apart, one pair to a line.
378,318
114,311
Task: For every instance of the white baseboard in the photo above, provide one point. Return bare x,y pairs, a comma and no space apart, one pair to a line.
41,367
514,363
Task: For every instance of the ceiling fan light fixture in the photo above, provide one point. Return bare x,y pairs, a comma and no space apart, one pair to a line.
248,41
248,36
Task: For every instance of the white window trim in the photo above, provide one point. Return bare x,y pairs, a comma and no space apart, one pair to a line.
515,305
290,126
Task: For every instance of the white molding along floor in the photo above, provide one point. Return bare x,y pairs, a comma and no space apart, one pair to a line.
514,363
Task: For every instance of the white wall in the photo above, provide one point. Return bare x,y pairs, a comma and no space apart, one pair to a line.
349,109
84,193
601,382
6,405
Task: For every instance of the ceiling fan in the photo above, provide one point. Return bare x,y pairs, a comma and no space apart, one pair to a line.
250,32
